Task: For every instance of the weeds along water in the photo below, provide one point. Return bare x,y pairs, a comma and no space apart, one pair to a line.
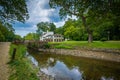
21,67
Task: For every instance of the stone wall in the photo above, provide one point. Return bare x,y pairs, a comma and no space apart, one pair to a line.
111,56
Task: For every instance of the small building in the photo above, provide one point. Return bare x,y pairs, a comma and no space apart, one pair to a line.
51,37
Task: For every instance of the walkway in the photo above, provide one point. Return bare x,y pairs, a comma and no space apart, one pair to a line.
4,58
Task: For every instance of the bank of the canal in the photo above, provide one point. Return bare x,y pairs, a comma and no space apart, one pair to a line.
107,50
102,55
20,67
67,67
23,69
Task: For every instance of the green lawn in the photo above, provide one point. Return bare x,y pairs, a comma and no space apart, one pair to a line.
85,44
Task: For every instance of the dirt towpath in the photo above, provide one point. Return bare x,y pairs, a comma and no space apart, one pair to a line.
4,59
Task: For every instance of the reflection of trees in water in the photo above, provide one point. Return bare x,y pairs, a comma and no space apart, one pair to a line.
92,69
42,59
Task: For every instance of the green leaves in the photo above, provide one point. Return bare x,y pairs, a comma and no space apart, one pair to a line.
6,34
32,36
12,10
44,27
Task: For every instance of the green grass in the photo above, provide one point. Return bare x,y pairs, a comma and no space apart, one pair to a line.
85,44
21,67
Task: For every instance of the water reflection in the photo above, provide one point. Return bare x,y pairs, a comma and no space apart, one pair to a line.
61,71
75,68
104,78
33,60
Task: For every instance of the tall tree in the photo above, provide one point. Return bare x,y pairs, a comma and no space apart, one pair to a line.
52,27
59,30
6,34
86,8
45,26
74,30
11,10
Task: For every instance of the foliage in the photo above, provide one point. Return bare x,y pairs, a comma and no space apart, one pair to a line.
74,30
18,37
12,10
59,30
21,68
103,39
32,36
45,26
6,34
52,27
89,11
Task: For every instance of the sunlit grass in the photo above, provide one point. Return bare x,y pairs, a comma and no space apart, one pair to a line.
85,44
21,66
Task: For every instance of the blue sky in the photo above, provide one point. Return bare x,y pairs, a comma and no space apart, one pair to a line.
39,11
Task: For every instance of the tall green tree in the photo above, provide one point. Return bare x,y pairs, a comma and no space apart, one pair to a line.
44,27
6,34
74,30
52,27
12,10
31,36
86,8
59,30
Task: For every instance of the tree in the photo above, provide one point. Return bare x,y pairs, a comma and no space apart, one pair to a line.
44,27
11,10
74,30
52,27
6,34
31,36
17,37
59,30
84,9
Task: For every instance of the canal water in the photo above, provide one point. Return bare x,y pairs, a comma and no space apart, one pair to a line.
64,67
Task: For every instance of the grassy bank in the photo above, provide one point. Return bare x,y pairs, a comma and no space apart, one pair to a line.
85,44
21,68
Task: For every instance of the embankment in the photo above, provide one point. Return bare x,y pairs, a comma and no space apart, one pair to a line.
96,54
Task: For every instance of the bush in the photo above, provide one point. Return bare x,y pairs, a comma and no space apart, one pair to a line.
103,39
46,46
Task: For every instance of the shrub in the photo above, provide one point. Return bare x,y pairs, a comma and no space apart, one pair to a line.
103,39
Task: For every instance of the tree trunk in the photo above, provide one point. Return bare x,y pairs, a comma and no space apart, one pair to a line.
90,36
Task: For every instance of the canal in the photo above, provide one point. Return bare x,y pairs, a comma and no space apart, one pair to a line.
64,67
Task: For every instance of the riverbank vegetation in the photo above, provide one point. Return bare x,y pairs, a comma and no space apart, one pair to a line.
85,44
21,68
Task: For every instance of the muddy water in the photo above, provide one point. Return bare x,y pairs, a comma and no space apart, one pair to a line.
64,67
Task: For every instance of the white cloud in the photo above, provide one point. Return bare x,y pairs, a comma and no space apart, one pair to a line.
62,22
38,11
59,24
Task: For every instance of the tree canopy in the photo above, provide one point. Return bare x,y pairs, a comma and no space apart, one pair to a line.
6,34
45,26
84,9
13,10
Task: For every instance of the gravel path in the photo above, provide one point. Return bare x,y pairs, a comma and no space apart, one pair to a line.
4,58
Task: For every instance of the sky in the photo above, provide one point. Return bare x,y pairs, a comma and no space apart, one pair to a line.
39,11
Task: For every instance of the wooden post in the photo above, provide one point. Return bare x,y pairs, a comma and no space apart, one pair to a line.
14,52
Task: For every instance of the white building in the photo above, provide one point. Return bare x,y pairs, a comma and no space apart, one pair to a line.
51,37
